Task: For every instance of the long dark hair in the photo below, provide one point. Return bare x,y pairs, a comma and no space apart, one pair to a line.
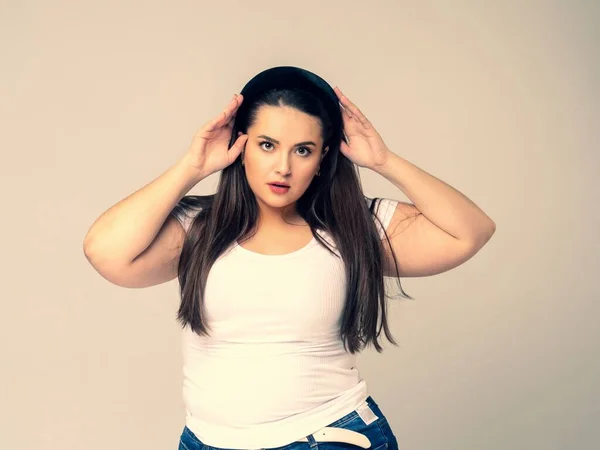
333,202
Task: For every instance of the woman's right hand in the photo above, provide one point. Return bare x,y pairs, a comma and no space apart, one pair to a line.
209,152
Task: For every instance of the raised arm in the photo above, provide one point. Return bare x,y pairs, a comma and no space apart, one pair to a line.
136,243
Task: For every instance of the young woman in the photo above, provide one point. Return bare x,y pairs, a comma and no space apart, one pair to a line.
281,270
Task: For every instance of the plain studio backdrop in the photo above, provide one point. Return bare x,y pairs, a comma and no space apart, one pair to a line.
498,99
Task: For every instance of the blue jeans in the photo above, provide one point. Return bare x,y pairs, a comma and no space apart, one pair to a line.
379,433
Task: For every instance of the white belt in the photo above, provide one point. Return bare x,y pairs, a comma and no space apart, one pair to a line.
332,434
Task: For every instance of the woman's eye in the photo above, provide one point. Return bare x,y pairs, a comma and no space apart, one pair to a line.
306,150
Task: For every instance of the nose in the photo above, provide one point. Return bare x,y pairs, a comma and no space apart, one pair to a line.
283,165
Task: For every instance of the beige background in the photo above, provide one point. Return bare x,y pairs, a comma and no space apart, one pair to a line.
499,99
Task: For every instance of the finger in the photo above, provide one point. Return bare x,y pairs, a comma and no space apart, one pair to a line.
350,121
346,112
228,113
229,110
232,109
344,148
338,92
237,148
345,115
349,106
231,121
346,138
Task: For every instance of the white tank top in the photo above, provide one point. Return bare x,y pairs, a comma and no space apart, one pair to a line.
274,368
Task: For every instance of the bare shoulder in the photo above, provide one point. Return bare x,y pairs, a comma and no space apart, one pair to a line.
421,248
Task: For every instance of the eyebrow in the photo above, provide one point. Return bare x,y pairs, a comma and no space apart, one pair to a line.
277,142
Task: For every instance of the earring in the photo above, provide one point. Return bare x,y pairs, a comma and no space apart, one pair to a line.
319,172
242,159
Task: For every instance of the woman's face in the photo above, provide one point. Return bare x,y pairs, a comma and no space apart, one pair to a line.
284,145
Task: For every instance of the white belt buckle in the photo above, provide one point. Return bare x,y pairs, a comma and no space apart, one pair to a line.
333,434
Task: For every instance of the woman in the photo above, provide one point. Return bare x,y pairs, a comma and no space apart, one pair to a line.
281,270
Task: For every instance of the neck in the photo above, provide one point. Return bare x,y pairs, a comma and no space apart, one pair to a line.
279,217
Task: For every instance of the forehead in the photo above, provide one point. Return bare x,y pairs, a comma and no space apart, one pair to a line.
285,122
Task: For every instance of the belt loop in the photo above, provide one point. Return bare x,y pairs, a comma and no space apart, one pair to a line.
311,440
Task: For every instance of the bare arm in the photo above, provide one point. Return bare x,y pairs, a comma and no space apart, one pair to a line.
135,243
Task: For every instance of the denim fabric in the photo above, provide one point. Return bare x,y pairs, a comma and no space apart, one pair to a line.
379,433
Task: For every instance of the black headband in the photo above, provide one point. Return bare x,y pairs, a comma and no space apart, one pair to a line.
289,77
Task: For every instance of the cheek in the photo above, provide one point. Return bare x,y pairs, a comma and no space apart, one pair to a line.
309,170
256,158
256,168
257,172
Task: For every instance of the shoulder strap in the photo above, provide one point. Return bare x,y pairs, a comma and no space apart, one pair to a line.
371,207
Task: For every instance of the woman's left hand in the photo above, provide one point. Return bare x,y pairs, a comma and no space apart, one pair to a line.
365,146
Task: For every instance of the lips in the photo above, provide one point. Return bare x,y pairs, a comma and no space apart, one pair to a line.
279,189
280,185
